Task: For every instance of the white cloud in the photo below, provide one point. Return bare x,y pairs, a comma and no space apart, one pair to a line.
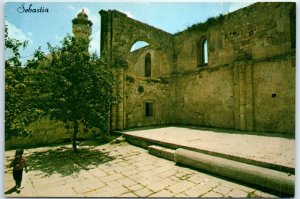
29,34
71,7
95,42
128,13
59,38
17,33
235,6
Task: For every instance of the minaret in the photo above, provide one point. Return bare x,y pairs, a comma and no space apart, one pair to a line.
82,27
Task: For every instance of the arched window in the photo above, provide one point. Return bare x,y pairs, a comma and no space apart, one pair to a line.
148,65
138,45
202,52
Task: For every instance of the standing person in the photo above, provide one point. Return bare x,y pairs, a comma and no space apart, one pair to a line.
18,164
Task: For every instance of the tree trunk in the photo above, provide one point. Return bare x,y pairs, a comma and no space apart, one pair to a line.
75,135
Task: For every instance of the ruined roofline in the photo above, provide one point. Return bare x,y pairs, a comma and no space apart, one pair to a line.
227,16
136,21
224,17
230,14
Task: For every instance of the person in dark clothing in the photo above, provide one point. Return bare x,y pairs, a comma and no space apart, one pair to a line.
18,164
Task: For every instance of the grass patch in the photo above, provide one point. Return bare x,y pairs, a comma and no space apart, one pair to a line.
205,25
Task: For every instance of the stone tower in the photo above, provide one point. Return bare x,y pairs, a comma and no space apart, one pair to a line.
82,27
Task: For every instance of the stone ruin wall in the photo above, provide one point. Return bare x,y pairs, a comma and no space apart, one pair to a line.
135,89
250,60
248,83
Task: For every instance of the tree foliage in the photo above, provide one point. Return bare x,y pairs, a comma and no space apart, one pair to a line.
19,107
68,85
14,45
75,87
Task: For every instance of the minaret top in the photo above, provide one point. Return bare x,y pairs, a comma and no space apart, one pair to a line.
82,14
82,18
82,27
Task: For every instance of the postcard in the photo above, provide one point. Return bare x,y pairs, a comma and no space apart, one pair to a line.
150,99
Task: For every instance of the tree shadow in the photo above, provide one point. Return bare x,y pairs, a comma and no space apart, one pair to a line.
65,162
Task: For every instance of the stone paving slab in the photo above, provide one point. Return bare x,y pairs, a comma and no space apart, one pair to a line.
162,178
266,149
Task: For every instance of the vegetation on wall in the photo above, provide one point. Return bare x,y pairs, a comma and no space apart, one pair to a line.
140,89
130,79
203,26
160,80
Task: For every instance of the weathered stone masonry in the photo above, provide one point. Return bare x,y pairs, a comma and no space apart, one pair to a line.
248,82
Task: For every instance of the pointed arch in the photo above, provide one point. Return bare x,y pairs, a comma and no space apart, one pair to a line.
138,45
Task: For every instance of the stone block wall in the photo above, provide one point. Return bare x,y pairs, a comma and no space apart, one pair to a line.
46,131
118,34
205,98
140,89
248,82
274,95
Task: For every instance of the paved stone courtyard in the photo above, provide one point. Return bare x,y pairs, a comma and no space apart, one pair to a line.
115,170
267,149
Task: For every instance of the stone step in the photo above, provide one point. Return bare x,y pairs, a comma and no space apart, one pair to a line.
251,174
146,142
259,176
163,152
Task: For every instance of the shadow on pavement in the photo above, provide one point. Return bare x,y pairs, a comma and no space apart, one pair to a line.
65,162
10,190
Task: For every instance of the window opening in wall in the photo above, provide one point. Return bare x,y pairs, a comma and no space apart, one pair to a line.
148,109
148,65
202,53
138,45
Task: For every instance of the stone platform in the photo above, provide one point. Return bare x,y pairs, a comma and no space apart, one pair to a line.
276,153
115,170
260,160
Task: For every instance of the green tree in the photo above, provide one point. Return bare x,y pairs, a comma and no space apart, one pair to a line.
75,87
13,45
19,111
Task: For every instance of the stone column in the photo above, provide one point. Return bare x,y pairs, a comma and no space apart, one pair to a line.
243,97
242,104
236,95
249,97
113,118
120,105
124,99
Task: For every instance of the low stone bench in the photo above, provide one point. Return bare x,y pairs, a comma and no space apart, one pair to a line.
263,177
161,152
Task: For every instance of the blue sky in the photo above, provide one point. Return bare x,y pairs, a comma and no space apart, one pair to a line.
40,28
